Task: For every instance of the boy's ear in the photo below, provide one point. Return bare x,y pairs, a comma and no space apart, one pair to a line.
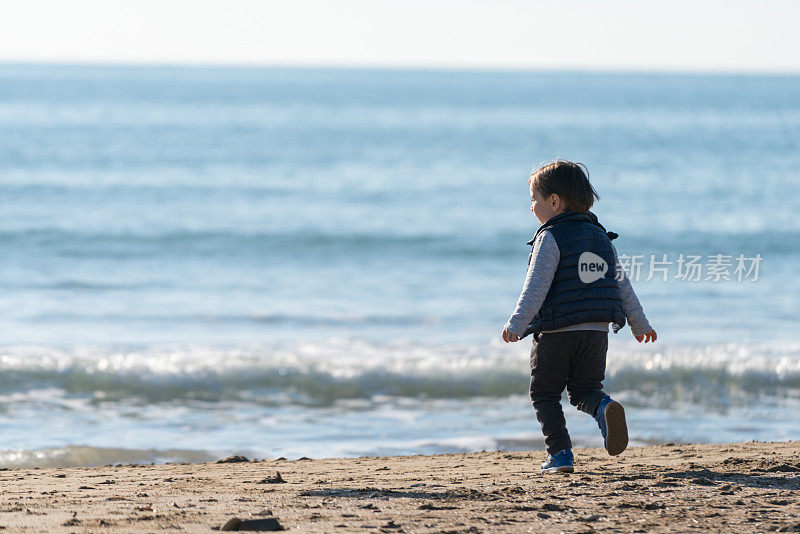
555,201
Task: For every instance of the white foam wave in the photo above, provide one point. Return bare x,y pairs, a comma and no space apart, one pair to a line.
345,368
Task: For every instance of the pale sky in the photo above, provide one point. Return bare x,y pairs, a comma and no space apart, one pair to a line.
683,35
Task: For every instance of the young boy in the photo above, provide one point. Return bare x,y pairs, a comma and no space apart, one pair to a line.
574,288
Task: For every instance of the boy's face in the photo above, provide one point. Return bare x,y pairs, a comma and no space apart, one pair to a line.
544,208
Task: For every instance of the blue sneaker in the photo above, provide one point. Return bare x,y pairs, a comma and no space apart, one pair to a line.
611,420
562,462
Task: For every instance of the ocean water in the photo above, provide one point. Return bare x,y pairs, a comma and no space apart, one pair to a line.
317,262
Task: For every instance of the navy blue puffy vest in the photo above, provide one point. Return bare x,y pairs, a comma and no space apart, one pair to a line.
571,301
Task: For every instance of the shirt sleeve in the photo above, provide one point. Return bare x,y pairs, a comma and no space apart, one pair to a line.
630,303
541,271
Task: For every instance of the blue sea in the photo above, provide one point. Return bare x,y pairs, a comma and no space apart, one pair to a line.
292,262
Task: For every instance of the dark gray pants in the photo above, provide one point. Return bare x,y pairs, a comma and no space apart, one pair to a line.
575,360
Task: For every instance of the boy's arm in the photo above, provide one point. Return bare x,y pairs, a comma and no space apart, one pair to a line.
630,303
541,270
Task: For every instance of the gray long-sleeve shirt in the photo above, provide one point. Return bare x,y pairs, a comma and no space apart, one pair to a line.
541,272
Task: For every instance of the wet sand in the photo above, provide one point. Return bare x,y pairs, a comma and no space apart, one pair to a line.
744,487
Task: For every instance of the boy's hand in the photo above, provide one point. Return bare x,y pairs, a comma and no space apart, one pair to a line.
647,336
508,335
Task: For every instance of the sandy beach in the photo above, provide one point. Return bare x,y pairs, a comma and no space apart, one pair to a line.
743,487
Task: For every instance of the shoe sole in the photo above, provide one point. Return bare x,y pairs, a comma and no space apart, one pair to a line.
616,428
558,470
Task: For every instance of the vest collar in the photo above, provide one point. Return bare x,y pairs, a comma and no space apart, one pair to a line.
571,216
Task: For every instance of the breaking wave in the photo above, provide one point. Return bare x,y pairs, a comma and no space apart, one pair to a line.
321,373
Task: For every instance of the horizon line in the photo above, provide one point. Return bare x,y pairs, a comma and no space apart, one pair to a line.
400,67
